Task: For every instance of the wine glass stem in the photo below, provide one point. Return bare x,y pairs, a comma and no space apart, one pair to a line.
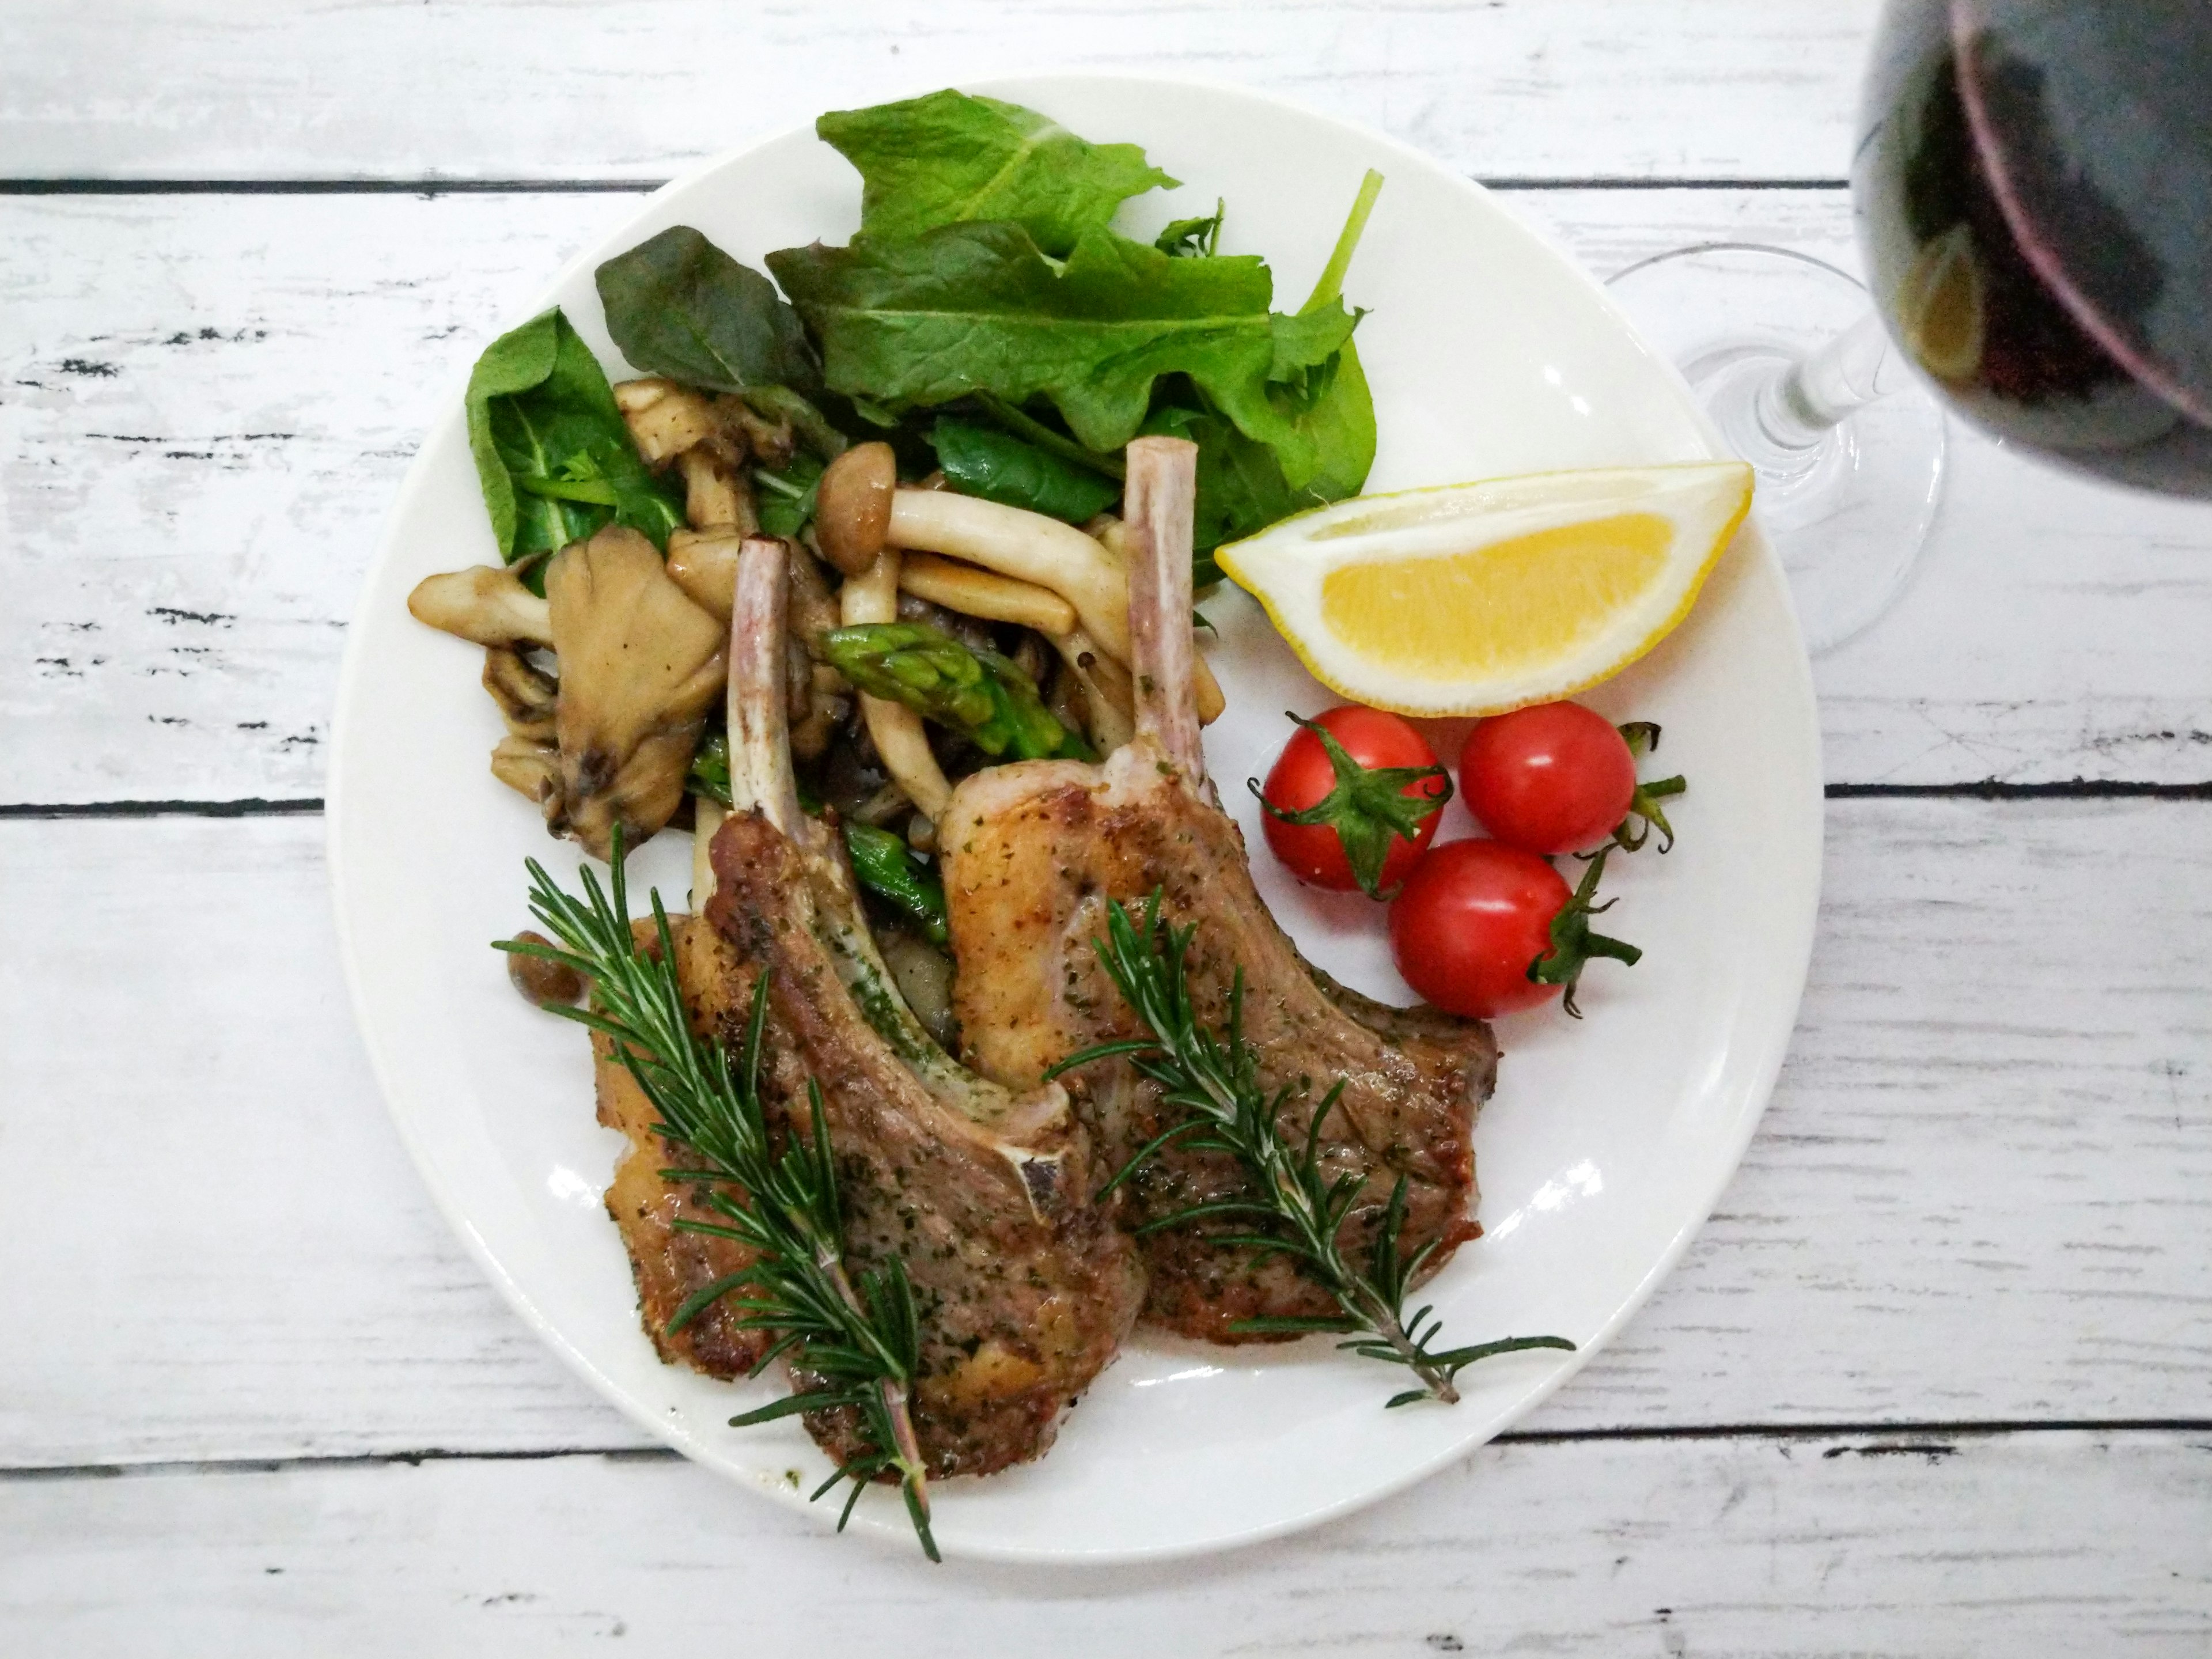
1780,426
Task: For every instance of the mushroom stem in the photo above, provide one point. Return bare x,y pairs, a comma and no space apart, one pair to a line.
900,741
1032,548
761,778
974,591
1108,694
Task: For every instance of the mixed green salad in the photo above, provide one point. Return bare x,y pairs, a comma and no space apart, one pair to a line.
986,320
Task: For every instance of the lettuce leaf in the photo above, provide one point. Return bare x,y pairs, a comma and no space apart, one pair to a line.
949,158
555,460
970,308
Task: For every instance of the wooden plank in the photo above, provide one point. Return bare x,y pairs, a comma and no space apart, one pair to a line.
2031,1543
206,405
644,89
1982,1191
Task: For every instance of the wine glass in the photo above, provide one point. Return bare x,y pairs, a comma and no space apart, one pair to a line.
2033,188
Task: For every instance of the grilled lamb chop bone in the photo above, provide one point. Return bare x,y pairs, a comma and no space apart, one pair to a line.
1033,853
983,1193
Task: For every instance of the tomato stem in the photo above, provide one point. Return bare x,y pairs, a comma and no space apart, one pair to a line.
1369,807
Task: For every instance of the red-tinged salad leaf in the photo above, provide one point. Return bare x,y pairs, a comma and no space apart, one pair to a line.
973,308
552,454
949,158
679,306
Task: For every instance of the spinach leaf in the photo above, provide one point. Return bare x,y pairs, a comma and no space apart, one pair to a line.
1241,490
1002,468
1193,239
552,454
679,306
948,157
972,308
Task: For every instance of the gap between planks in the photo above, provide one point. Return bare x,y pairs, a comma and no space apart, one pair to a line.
1932,1439
1987,789
434,186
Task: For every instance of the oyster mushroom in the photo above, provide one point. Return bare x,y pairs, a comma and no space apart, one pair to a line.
485,604
641,664
706,441
525,693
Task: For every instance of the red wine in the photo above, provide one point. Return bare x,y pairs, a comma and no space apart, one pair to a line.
2035,199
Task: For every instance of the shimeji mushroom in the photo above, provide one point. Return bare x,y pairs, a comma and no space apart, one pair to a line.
1031,548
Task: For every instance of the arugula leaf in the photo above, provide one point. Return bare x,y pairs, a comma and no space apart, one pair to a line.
974,309
949,157
1193,239
1002,468
553,456
1341,420
676,305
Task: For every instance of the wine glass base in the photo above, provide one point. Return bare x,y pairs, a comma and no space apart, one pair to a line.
1849,519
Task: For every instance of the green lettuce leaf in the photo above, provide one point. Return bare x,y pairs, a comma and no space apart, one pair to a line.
949,158
971,308
679,306
553,456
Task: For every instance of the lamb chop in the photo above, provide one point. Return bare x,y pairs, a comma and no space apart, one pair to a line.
1024,1285
1032,854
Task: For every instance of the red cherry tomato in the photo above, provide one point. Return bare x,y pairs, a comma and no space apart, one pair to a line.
1388,822
1470,920
1554,778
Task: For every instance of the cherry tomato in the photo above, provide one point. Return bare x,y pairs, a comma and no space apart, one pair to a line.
1554,778
1371,809
1471,918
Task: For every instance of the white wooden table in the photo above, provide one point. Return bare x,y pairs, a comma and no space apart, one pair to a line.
1933,1381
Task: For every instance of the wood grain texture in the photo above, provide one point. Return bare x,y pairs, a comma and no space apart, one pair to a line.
2021,1544
1982,1190
206,403
644,89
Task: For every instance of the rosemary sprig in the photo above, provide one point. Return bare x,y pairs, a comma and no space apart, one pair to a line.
862,1341
1297,1210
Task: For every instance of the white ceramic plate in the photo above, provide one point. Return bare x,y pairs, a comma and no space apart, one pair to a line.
1608,1141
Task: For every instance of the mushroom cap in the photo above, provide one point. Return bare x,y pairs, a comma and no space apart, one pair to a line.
641,664
485,604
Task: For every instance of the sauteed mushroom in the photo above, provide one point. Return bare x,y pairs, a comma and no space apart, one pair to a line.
641,664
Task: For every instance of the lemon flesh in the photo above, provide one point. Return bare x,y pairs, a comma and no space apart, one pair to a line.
1472,598
1939,303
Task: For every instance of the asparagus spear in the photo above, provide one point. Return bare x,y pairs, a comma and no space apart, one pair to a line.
888,870
979,693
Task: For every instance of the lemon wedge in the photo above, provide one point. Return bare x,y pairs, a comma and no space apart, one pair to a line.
1939,306
1473,598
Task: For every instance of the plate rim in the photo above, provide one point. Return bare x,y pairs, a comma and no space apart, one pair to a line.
352,674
